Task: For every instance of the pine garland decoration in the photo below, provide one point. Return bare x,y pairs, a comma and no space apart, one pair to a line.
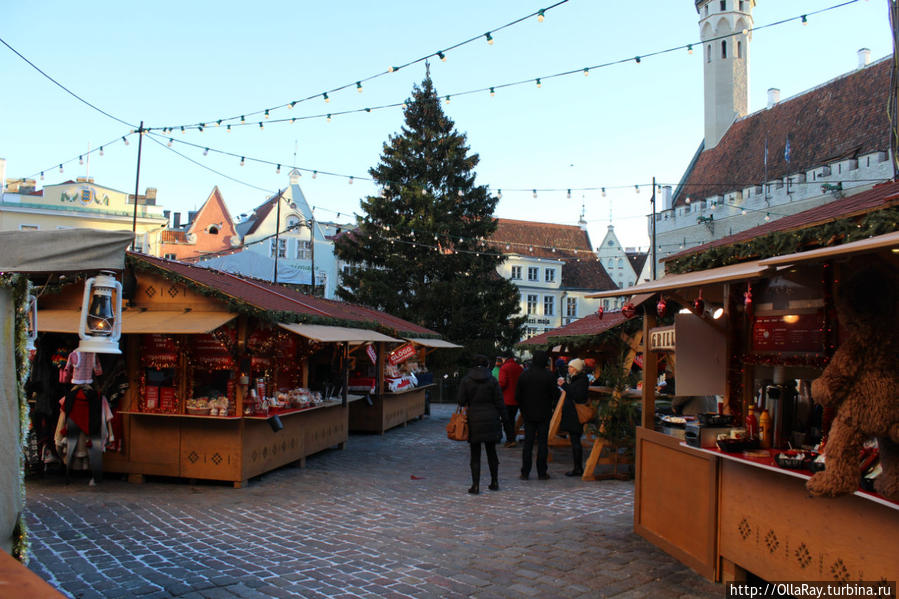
838,232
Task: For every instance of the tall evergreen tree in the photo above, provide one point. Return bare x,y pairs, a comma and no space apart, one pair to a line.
422,244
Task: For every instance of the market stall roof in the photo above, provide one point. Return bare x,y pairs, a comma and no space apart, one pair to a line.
592,324
722,274
329,334
889,240
134,322
63,250
435,343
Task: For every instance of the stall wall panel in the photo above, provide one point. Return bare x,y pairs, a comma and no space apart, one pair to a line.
675,500
771,526
701,367
324,428
210,449
265,449
367,418
399,409
153,444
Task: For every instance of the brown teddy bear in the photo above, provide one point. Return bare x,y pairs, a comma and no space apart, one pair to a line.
861,382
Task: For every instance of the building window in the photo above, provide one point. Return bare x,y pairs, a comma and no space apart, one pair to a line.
532,273
739,49
282,248
29,228
516,273
549,305
170,257
708,53
550,275
723,4
611,243
304,250
571,306
742,7
532,304
292,222
620,262
605,304
530,331
723,48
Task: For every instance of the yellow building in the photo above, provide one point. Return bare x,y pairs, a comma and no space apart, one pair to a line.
80,204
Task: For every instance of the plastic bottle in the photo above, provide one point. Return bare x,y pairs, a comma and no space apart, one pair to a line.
752,425
765,429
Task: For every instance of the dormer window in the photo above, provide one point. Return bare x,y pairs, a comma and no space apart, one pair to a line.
212,229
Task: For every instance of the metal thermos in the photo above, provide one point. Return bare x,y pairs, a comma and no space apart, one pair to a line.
779,402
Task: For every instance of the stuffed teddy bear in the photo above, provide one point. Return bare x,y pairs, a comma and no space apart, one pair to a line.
861,381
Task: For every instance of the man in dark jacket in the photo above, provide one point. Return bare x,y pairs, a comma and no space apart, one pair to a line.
480,393
535,393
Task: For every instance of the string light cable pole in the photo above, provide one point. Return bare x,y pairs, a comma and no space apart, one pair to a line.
277,251
652,201
140,139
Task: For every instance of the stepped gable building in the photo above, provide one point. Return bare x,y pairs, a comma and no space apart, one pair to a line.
210,230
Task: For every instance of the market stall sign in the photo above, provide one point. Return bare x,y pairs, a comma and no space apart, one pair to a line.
159,351
401,354
208,352
662,339
370,352
789,333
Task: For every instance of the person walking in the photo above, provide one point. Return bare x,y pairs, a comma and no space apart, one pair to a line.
536,392
575,393
479,392
496,366
508,379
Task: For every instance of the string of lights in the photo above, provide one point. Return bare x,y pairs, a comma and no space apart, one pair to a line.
63,87
357,83
242,120
100,151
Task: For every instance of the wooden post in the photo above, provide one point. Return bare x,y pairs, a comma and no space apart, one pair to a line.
650,372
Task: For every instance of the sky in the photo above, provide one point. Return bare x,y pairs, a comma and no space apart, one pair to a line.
182,63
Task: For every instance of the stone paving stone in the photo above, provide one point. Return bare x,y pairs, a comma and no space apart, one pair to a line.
353,523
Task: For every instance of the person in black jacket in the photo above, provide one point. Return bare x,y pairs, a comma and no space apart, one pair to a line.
480,393
535,393
575,392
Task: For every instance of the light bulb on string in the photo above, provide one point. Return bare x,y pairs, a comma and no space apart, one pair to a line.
460,194
534,192
124,139
767,216
499,194
60,167
447,99
260,126
42,175
266,113
359,86
540,15
101,150
201,127
569,197
804,20
689,48
206,152
325,97
351,180
314,174
603,192
489,38
492,92
586,71
242,160
292,104
242,119
278,170
81,160
170,142
637,187
329,118
637,59
182,130
218,123
538,82
441,56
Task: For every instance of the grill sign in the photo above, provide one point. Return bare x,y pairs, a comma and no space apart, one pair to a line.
661,339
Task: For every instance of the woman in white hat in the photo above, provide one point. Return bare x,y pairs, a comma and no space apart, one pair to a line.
575,393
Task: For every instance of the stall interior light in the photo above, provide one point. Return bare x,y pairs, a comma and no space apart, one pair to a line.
718,312
791,318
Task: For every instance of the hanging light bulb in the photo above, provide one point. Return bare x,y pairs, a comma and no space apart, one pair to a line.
260,125
101,150
447,99
278,170
329,118
499,194
569,197
359,86
688,200
745,31
405,106
689,48
266,113
540,15
42,175
241,161
182,130
804,20
637,187
205,151
489,38
314,174
743,211
325,96
292,104
538,82
586,72
603,192
218,123
60,167
124,139
637,59
202,125
492,92
441,56
81,160
170,142
460,194
351,180
228,130
242,119
534,192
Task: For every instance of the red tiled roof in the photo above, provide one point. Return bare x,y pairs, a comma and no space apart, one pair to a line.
537,239
881,196
840,119
586,274
270,297
589,325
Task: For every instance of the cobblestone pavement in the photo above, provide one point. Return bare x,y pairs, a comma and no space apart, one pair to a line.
388,516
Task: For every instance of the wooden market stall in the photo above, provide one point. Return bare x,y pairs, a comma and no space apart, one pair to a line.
394,397
729,515
228,378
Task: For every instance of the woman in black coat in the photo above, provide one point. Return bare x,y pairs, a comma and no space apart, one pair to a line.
575,393
480,393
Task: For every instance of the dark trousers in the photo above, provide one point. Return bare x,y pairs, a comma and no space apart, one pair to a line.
577,451
538,429
509,423
492,461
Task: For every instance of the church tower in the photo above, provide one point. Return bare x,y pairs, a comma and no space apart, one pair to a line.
725,28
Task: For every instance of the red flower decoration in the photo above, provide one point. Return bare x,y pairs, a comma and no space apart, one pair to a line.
599,312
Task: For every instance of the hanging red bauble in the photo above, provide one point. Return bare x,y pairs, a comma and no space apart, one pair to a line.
661,307
747,299
599,312
628,310
699,304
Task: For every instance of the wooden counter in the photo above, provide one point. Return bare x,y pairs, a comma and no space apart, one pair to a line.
387,410
232,449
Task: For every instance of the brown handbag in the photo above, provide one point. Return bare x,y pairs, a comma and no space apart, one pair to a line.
457,428
585,412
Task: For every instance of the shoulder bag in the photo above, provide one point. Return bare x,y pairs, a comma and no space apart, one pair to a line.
457,428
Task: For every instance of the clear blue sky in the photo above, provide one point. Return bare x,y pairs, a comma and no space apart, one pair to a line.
170,63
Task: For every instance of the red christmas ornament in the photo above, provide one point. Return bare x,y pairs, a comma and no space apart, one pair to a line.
628,310
698,304
747,299
661,307
599,312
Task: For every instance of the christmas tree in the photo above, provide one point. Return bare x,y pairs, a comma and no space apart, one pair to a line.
421,245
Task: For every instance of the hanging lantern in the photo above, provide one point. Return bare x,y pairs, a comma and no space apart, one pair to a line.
31,323
662,306
628,310
699,304
747,299
599,312
101,315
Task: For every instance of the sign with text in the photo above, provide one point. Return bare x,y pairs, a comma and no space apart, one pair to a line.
370,351
159,351
401,354
788,333
209,352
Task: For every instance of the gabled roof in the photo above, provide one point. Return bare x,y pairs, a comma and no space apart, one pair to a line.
880,196
211,212
841,119
260,214
592,324
267,297
637,260
586,274
538,239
